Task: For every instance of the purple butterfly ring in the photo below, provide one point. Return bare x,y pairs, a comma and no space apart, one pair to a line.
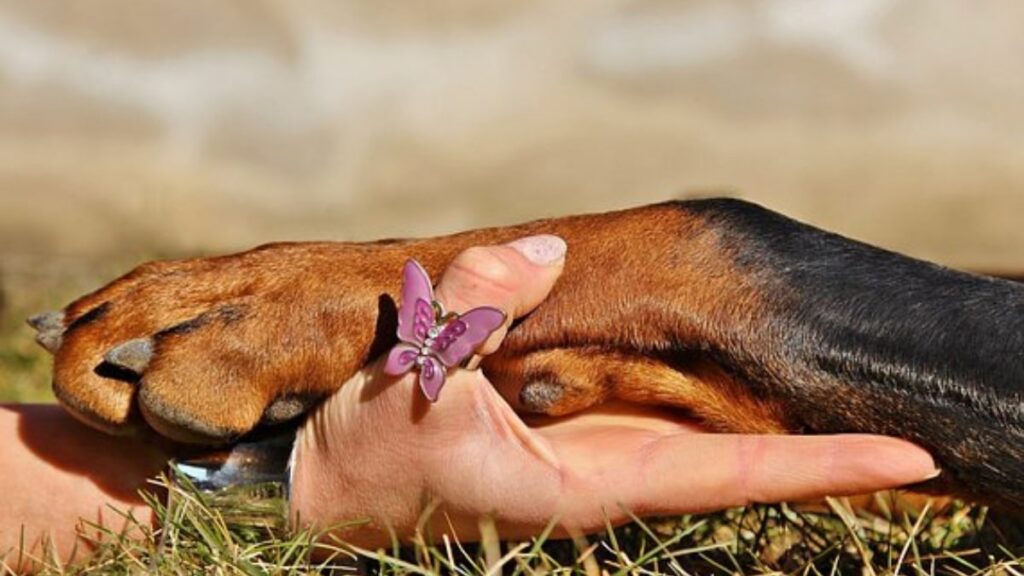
431,340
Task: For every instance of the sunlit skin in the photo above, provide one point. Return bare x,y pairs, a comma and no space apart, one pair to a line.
58,472
378,450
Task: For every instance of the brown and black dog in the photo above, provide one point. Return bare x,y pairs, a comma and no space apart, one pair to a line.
749,320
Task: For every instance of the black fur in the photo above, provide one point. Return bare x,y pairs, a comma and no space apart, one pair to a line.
856,338
225,314
89,317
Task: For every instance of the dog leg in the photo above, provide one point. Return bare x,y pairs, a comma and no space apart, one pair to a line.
834,335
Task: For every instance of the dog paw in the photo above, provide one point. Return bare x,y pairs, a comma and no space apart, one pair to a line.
204,350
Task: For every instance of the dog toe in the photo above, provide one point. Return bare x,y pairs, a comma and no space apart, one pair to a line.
553,382
198,415
96,398
201,381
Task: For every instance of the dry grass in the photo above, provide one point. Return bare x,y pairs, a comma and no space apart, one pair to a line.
779,539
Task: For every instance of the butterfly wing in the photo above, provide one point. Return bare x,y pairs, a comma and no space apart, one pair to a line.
401,359
416,313
463,335
431,378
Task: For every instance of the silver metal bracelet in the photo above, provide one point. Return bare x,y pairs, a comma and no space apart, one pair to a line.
248,483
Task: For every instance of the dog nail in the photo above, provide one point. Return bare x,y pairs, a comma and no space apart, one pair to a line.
133,355
47,321
542,250
540,396
288,407
50,339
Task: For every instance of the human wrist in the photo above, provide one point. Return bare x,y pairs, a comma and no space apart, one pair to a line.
352,472
306,481
321,491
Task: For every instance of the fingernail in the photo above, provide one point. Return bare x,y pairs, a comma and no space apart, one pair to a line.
542,250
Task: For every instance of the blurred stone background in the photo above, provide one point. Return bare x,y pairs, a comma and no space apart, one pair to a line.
132,130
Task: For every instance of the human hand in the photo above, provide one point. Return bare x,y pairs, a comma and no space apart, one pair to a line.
378,450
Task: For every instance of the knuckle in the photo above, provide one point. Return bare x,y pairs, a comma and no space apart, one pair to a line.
485,267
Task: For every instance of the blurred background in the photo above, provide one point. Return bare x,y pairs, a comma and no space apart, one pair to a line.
135,130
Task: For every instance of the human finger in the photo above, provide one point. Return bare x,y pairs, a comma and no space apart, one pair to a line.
691,473
514,277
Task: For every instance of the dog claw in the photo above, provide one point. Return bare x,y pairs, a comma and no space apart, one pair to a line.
133,355
540,396
289,407
50,339
47,321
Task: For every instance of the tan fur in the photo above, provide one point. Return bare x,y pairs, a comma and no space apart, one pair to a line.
588,376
